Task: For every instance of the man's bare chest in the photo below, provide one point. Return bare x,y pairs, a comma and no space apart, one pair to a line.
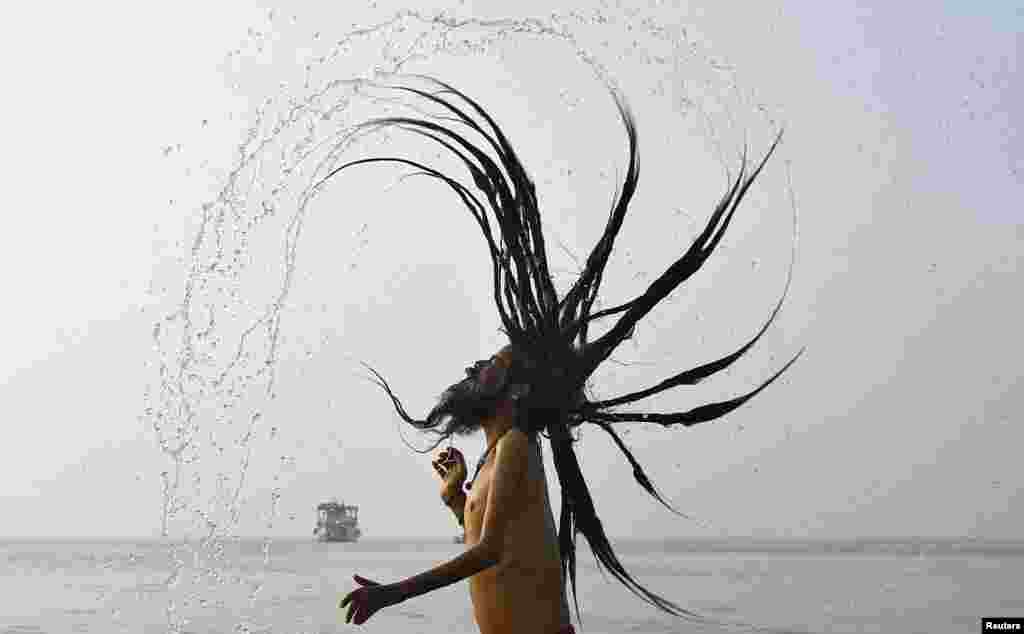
476,501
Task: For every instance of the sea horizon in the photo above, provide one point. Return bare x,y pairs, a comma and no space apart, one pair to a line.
914,545
292,585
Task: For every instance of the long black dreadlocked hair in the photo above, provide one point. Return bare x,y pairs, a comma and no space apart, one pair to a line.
552,331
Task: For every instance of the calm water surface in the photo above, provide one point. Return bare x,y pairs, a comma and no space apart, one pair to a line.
294,587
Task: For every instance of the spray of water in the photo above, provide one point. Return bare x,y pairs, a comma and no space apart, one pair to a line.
219,341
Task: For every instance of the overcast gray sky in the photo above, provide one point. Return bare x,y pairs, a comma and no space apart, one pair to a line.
902,147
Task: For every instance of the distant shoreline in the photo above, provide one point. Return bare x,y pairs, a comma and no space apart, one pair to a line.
626,545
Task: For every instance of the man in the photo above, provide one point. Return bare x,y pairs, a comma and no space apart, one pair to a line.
551,334
512,559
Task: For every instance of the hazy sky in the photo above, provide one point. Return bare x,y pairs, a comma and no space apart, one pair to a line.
906,164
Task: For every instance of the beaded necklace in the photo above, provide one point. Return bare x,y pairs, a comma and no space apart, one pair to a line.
483,459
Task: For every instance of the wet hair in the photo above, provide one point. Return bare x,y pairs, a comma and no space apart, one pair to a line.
550,331
464,404
460,409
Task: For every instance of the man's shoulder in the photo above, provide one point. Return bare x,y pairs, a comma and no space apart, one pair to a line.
513,455
514,441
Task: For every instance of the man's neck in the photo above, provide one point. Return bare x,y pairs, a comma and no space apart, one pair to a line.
496,426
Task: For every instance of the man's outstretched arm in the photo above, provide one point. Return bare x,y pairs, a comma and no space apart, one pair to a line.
506,487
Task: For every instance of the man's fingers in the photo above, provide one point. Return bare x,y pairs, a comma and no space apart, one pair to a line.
449,456
353,608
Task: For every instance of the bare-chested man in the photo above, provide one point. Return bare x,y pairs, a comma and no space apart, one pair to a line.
511,557
513,560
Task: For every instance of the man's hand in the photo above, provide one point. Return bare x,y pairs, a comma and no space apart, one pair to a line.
451,466
365,601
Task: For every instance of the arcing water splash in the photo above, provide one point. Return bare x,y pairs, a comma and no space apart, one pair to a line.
218,347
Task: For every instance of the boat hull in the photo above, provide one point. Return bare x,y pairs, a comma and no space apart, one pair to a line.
339,534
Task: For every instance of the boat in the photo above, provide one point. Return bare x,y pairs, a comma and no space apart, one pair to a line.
337,522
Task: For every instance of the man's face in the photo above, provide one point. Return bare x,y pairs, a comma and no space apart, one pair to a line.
473,371
490,374
475,397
